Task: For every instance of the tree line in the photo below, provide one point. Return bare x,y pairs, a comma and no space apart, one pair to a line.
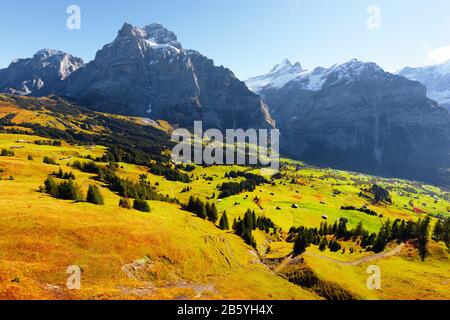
250,182
168,172
141,190
400,231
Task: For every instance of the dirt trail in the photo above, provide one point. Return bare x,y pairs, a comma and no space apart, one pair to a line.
377,256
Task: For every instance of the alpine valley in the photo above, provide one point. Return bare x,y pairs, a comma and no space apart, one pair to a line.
87,180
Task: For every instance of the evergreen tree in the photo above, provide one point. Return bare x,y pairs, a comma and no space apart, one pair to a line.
380,242
358,231
323,244
248,220
300,244
208,210
249,239
224,225
201,209
395,233
94,196
446,232
213,214
423,234
191,204
334,246
238,227
254,219
68,190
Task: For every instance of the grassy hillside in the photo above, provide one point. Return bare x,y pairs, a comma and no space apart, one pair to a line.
170,253
176,254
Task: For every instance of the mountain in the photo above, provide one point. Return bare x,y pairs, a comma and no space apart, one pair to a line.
436,78
45,69
146,72
277,77
358,117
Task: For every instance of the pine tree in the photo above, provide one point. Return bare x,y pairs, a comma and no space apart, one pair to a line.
423,234
334,246
208,210
438,230
191,204
248,220
249,239
254,220
300,244
224,221
446,233
94,196
323,244
68,190
201,211
214,215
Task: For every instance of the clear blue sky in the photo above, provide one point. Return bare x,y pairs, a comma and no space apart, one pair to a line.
248,36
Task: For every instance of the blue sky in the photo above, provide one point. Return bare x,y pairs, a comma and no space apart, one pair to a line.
248,36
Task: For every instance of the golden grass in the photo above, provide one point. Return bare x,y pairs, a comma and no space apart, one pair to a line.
186,257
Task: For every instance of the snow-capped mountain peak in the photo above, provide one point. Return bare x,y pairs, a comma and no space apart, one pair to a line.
277,77
285,73
286,66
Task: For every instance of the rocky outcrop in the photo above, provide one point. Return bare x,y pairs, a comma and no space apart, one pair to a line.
45,69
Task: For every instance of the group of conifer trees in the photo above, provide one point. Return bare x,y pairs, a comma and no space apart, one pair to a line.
441,231
399,231
140,190
62,185
245,227
206,210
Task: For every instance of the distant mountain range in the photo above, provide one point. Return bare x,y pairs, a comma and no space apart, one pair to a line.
357,116
352,116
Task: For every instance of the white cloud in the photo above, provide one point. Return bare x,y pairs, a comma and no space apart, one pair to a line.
439,55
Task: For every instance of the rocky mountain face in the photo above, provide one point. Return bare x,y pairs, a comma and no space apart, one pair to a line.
146,72
436,78
45,69
357,117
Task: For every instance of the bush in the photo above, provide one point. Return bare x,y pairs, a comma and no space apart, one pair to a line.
141,205
64,175
7,153
125,203
49,160
94,196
